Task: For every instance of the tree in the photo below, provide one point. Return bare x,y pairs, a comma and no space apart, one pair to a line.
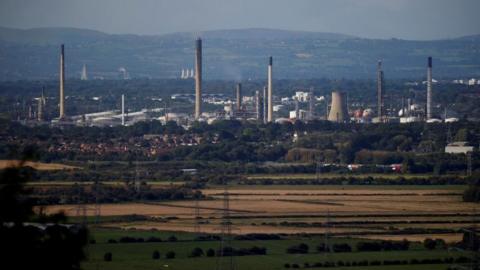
108,257
429,244
170,255
156,255
301,248
196,252
210,252
30,240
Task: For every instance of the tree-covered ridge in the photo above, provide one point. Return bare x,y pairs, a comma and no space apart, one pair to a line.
230,54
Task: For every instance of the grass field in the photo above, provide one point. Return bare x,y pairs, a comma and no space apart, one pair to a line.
139,255
334,176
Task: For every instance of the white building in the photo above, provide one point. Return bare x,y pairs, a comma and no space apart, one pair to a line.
302,115
301,96
458,148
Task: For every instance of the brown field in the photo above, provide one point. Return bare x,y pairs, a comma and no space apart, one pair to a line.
273,210
36,165
450,238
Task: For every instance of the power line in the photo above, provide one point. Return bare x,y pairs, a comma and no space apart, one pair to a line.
226,262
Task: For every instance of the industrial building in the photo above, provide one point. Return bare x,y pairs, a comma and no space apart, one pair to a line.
458,148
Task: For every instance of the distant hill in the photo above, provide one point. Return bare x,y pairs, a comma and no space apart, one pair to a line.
230,54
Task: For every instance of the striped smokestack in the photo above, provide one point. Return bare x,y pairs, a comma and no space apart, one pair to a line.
429,88
270,101
62,82
198,78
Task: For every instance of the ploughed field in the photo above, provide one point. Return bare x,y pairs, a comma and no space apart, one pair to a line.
375,212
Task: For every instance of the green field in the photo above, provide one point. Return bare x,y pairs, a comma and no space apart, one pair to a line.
139,255
337,175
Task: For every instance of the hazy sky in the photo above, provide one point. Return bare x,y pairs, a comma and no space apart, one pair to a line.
408,19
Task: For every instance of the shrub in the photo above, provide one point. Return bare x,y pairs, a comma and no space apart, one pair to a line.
298,249
108,257
287,265
196,252
156,255
322,248
429,244
210,252
369,246
170,255
172,238
341,248
153,239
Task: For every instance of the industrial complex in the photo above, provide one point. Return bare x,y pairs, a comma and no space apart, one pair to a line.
262,105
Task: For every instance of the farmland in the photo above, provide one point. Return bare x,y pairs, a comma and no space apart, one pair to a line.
377,212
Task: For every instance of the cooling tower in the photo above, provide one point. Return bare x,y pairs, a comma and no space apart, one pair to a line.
270,99
198,78
338,111
429,89
238,93
62,82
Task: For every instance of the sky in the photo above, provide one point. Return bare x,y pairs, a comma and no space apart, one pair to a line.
405,19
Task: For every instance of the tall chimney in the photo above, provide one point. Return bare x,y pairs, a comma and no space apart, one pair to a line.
238,94
258,105
198,78
123,110
429,89
311,104
41,104
380,91
62,82
265,105
297,109
270,101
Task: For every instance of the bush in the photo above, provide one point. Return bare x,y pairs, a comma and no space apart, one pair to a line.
172,238
429,244
156,255
108,257
298,249
153,239
322,248
287,265
369,246
170,255
341,248
210,252
196,252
